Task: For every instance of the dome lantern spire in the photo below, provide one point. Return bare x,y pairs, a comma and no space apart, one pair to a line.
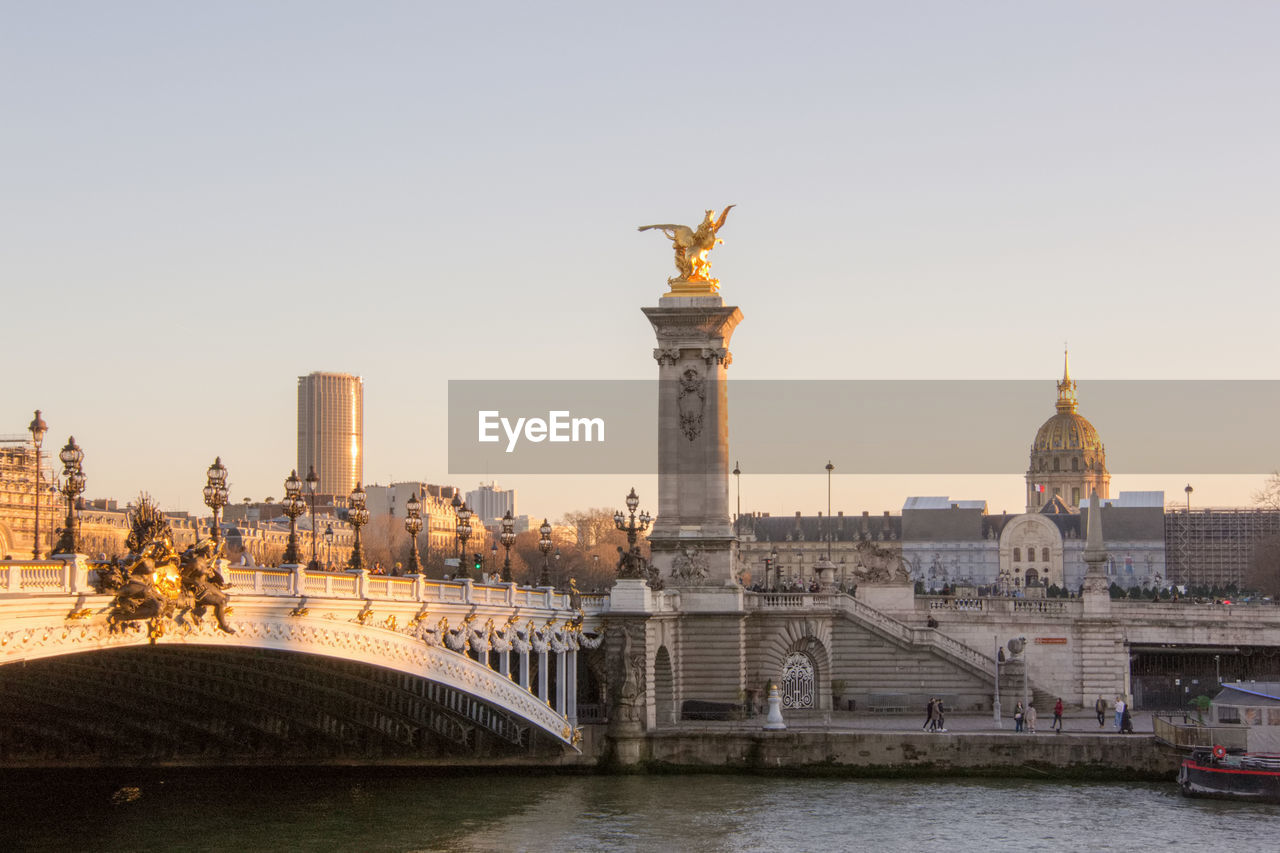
1067,387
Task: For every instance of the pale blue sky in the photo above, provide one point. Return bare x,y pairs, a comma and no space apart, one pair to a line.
200,202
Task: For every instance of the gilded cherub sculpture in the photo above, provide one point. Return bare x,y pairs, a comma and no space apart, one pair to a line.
692,247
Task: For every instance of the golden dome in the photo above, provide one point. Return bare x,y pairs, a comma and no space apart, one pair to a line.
1067,431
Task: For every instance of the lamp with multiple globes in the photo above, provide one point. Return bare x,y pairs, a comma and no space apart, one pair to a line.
413,526
357,517
464,533
328,541
215,494
632,565
72,485
293,506
37,428
508,538
545,545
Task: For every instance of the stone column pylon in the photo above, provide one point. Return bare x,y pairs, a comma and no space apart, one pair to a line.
692,533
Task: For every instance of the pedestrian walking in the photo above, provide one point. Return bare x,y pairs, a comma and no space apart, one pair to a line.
1031,718
940,715
1120,706
1057,716
1017,717
1100,707
929,709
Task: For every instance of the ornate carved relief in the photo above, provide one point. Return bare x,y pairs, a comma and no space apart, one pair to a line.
717,355
690,566
692,402
666,355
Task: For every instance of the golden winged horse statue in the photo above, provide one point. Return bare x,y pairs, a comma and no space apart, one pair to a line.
693,245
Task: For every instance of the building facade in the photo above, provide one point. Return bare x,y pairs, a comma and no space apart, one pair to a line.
18,500
331,431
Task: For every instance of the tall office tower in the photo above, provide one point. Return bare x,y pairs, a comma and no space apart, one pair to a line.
490,503
331,430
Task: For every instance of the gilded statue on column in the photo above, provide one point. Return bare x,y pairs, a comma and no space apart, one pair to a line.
691,247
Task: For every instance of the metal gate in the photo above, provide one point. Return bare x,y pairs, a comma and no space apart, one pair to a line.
797,681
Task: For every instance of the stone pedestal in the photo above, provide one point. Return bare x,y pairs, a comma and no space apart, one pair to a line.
692,541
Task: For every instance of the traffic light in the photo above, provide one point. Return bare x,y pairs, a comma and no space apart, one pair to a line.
478,562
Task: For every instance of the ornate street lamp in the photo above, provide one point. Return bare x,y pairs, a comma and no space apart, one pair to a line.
464,533
357,517
293,507
328,541
544,545
72,486
631,565
769,562
38,428
215,494
493,555
508,538
413,526
312,482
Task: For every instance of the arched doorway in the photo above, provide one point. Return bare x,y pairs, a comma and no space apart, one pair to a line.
664,687
799,682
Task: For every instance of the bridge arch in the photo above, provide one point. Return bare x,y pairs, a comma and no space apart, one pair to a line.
467,694
664,687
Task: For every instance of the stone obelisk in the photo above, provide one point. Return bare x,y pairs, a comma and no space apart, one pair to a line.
692,542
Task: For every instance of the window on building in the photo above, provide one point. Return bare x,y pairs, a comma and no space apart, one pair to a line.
1057,466
1017,555
1075,497
1075,463
1044,554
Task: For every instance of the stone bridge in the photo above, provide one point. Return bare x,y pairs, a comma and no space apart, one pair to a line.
351,663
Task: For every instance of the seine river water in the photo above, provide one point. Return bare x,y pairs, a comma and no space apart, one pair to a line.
406,810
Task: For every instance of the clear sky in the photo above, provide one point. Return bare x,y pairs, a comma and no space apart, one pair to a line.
200,202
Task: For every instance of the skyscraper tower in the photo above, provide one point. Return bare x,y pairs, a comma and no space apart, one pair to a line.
331,430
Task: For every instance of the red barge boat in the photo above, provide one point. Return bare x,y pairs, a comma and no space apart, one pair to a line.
1231,775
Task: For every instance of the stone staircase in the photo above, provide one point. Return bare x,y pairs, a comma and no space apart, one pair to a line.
950,650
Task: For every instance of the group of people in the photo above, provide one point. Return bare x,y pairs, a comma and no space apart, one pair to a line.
934,716
1024,719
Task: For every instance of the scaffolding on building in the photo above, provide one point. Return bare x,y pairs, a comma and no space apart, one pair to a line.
1212,546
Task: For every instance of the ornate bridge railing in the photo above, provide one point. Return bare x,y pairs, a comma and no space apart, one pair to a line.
513,647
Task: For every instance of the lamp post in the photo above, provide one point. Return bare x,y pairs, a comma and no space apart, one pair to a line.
544,545
769,562
737,480
293,507
827,531
413,526
215,494
38,428
630,567
72,486
456,503
328,540
313,483
357,516
464,533
508,538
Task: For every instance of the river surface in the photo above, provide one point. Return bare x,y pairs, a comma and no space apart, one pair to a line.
418,809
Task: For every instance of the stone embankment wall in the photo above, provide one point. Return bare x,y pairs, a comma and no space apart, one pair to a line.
899,754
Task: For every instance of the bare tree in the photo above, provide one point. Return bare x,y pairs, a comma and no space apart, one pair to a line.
1268,497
